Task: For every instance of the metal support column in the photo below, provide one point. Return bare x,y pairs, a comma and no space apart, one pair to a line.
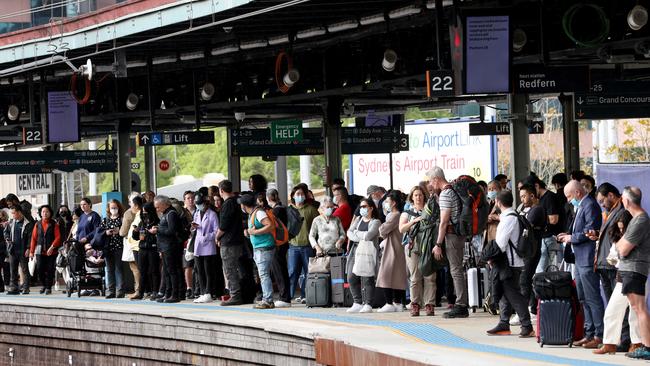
124,158
281,177
571,135
519,140
150,169
332,133
234,175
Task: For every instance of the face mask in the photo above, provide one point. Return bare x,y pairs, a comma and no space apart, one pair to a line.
386,207
114,211
199,206
329,211
299,199
575,202
492,195
336,200
363,211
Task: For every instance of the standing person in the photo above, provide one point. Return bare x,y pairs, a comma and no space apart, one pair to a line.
537,218
343,210
230,240
189,204
634,252
327,233
130,221
364,227
449,241
88,222
257,184
510,270
299,247
171,248
422,288
503,181
46,239
148,196
377,194
148,255
112,251
279,268
17,236
392,269
4,263
259,231
205,226
588,217
64,219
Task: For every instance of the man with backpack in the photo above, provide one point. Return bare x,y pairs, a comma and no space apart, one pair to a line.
511,234
537,220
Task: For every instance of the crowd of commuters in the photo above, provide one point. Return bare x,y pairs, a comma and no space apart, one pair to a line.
216,243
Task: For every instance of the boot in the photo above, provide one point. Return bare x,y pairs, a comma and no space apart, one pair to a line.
605,349
415,309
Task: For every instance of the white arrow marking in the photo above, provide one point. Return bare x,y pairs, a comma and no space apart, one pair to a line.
145,139
580,101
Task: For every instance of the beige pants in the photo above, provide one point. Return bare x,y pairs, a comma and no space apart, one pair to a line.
136,276
420,285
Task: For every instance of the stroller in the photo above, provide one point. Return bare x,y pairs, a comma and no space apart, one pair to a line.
86,272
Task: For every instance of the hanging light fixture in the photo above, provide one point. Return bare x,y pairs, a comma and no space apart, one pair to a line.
389,61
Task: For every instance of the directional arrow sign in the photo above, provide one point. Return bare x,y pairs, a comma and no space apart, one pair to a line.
632,104
175,138
536,127
496,128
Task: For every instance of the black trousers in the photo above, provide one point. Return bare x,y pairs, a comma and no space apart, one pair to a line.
46,268
526,281
394,296
173,272
513,299
149,266
19,262
204,266
280,272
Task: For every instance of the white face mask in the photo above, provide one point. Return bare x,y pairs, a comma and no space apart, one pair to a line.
336,200
329,211
114,211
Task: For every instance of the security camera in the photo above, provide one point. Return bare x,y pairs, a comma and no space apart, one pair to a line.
227,29
240,116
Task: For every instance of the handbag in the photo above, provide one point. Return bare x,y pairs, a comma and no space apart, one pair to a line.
31,265
189,252
320,264
100,239
127,254
365,259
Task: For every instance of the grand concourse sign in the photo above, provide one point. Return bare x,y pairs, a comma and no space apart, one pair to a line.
26,162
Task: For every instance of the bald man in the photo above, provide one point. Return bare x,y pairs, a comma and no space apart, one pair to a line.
587,220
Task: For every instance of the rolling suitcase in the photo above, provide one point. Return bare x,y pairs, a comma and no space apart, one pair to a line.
477,285
556,322
341,295
318,290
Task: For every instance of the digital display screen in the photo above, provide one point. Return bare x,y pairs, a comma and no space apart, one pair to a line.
62,118
487,54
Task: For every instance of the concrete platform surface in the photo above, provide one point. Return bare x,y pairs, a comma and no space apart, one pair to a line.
427,340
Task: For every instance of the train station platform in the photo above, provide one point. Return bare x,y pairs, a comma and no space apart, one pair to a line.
56,330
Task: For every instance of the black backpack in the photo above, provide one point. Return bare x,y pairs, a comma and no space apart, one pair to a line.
527,242
474,210
294,221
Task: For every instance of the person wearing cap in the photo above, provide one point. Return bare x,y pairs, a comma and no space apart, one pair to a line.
205,224
259,231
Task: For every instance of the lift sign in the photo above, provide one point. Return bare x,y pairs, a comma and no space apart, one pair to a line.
29,184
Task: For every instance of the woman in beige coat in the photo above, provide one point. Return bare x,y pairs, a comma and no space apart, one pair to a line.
392,270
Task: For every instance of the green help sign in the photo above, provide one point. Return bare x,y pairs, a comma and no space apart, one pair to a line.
286,131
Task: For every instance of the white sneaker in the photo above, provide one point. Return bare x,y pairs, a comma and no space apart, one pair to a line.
514,321
398,307
203,299
388,308
408,307
366,309
355,308
282,304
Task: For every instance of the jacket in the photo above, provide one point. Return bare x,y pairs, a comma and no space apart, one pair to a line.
604,242
50,238
588,217
26,234
230,223
149,241
204,242
167,236
355,236
392,269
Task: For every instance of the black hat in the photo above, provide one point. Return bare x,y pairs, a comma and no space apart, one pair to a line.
247,200
199,198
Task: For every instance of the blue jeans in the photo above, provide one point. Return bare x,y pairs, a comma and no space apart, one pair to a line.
588,286
114,271
264,260
551,254
298,263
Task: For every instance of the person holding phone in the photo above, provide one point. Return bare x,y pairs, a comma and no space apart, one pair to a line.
113,250
206,224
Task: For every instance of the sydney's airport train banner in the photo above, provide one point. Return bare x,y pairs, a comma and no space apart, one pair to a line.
444,144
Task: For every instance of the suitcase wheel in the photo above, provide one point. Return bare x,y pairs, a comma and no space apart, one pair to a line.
570,344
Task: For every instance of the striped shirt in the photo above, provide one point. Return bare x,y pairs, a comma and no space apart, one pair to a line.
448,199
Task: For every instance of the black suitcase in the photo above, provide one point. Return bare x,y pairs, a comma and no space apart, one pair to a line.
341,295
318,290
555,322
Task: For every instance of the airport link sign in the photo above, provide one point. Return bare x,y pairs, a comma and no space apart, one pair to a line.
502,128
366,140
175,138
35,162
539,79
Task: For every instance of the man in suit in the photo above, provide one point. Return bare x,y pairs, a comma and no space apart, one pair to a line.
587,219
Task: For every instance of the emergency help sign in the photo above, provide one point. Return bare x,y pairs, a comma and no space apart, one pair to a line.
28,184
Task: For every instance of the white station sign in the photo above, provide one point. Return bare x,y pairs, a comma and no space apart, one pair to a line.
29,184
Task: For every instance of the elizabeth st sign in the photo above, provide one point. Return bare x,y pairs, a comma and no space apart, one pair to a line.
32,162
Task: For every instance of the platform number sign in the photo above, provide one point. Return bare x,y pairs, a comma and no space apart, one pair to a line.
440,83
32,136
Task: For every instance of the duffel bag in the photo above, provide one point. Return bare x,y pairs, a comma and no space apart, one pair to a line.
553,285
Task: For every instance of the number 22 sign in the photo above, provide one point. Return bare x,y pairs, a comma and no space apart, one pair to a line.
440,83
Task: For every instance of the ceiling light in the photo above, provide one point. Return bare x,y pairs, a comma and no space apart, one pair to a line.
637,18
247,45
431,4
18,80
192,55
291,77
404,12
13,112
132,101
164,60
389,61
61,73
372,19
136,63
225,49
519,39
162,105
279,40
207,91
341,26
311,32
4,82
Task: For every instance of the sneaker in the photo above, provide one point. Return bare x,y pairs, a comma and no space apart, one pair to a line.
282,304
641,353
188,293
110,296
355,308
388,308
263,305
527,332
366,309
13,292
500,329
231,301
456,312
429,310
203,299
48,291
409,306
398,307
298,300
415,309
303,301
514,320
172,300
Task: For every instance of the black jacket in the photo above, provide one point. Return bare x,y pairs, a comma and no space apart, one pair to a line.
168,228
28,230
230,222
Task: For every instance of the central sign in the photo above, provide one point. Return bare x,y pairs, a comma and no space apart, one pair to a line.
29,184
175,138
286,131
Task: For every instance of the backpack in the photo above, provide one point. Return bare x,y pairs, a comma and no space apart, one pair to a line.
474,208
185,220
294,221
280,233
527,242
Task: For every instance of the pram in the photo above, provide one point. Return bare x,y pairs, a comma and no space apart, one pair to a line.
86,272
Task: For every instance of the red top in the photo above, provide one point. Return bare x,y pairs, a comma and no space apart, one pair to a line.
57,237
344,213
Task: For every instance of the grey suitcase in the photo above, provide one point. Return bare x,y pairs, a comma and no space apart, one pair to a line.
318,290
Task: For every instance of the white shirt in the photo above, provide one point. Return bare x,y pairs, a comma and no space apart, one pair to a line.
508,231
